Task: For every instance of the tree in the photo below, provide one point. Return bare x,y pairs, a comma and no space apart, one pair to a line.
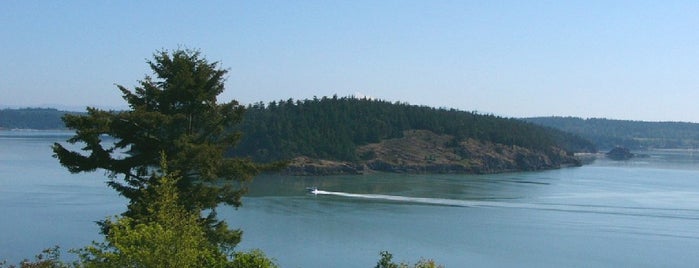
386,261
176,113
254,258
48,258
170,236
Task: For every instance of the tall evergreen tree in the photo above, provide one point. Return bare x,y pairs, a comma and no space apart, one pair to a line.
176,113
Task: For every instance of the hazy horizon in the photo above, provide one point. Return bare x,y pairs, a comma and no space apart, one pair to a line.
626,60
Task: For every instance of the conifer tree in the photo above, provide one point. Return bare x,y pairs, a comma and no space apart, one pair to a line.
175,112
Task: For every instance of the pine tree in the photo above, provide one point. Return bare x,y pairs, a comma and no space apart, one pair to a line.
177,113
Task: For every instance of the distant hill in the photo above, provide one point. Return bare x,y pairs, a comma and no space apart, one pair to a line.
361,134
607,134
32,118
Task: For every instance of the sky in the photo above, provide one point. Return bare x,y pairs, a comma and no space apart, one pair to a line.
632,60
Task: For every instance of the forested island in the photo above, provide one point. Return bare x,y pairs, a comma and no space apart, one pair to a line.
605,134
348,135
332,135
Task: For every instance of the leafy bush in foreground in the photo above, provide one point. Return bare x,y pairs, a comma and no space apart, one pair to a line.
48,258
386,261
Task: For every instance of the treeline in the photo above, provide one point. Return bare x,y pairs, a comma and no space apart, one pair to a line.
607,133
333,128
32,118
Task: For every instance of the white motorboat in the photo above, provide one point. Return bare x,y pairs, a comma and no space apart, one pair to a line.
312,190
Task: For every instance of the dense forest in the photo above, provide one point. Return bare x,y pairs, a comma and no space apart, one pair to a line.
333,128
607,133
31,118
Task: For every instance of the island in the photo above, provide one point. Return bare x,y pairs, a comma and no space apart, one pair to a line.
619,153
348,135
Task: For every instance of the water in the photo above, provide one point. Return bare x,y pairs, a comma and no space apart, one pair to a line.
41,203
640,213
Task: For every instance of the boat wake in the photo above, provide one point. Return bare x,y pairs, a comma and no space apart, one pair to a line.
692,214
419,200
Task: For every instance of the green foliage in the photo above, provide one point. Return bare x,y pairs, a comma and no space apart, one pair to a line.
333,128
386,261
176,113
170,236
254,258
48,258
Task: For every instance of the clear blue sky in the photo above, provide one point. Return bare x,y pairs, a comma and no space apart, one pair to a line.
634,60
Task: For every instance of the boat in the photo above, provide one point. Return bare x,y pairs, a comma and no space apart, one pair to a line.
312,190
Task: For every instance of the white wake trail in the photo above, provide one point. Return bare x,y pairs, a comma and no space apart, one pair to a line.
420,200
584,208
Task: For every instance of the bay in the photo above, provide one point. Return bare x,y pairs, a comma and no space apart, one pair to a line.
41,203
643,212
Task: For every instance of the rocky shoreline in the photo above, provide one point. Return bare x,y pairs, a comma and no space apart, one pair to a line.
420,151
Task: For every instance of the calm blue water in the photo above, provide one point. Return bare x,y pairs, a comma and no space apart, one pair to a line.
41,203
639,213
